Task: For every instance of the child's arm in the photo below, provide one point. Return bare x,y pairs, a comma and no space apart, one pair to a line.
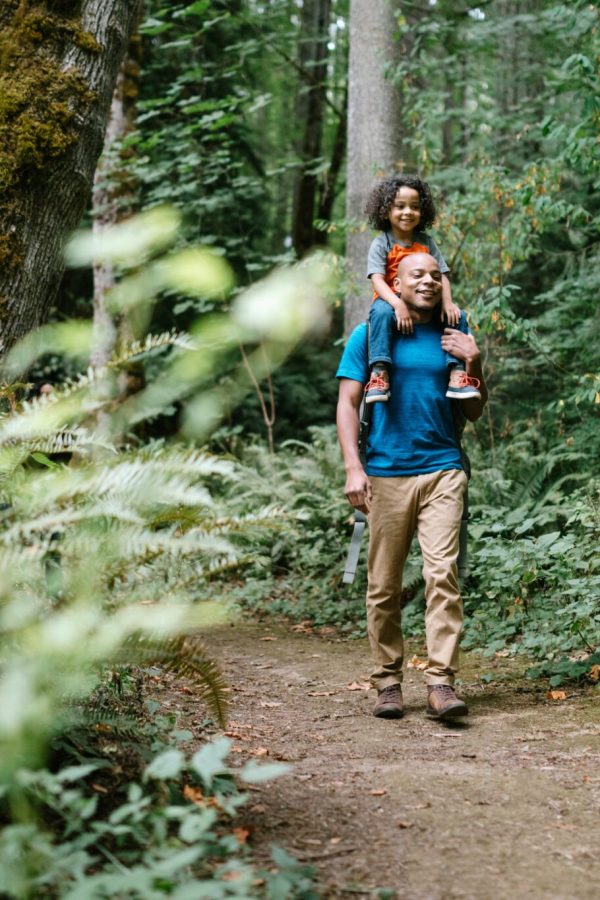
450,311
383,290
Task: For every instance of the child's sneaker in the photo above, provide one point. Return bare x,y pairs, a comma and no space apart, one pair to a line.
462,386
378,387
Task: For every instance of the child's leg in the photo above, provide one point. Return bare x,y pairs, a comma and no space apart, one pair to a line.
460,385
382,326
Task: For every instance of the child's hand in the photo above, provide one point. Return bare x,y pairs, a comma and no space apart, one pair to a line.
451,313
403,319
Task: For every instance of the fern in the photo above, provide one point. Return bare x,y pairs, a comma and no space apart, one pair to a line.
184,656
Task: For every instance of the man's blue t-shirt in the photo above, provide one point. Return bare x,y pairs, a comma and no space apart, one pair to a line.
413,433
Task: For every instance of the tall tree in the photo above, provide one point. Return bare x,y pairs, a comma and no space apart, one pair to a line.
58,68
373,133
313,38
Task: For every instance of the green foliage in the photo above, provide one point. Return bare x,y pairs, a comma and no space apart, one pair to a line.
168,833
104,540
534,578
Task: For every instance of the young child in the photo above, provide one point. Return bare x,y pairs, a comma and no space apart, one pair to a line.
402,208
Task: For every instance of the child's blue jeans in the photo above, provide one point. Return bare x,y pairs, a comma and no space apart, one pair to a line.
383,329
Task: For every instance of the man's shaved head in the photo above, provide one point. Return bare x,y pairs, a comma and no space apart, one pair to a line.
417,260
419,283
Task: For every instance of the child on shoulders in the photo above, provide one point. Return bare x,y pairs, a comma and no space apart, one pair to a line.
402,208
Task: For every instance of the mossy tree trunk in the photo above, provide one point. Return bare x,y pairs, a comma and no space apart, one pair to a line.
114,195
58,69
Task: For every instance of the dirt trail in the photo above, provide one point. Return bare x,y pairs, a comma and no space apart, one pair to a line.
505,806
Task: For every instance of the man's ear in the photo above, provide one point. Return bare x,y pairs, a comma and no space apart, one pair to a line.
396,285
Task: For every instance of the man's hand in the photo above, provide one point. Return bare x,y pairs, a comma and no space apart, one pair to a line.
461,345
403,319
358,489
451,312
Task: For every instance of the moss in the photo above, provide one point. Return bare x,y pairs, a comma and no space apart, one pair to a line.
9,250
39,102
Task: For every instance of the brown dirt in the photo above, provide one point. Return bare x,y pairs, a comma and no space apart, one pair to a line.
507,805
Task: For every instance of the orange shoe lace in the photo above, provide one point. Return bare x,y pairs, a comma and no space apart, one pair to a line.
468,380
376,382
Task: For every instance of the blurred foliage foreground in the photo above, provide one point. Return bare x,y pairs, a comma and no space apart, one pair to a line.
105,538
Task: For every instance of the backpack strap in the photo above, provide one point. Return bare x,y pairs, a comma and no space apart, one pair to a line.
360,520
463,555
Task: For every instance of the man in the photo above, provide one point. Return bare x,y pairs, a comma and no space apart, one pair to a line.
414,482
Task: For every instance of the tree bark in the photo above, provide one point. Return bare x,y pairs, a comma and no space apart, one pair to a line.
65,65
374,136
113,197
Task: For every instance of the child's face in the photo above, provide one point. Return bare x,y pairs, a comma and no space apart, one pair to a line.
405,211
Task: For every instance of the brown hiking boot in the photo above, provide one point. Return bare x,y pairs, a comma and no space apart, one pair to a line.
389,703
442,702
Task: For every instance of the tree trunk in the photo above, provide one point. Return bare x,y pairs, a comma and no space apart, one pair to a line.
113,197
373,135
57,75
314,32
329,183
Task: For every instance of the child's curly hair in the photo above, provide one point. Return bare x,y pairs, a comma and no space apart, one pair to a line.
382,196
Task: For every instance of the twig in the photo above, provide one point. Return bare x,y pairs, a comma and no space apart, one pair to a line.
317,856
268,417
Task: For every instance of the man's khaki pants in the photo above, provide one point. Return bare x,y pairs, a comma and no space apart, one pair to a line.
430,505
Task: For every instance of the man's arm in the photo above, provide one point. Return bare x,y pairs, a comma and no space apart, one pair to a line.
358,488
463,346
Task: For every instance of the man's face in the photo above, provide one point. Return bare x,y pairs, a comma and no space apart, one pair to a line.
419,281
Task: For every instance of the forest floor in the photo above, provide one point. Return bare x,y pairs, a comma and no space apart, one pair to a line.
506,805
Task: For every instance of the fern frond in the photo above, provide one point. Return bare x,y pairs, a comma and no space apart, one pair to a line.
186,657
136,349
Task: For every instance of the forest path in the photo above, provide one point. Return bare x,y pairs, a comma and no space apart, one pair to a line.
507,805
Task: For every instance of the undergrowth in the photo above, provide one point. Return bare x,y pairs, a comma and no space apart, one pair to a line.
534,578
127,808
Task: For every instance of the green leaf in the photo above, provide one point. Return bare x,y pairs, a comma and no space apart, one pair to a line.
166,765
210,760
254,772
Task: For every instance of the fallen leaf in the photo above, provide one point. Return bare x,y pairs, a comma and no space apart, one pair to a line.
327,629
335,840
269,638
236,735
358,686
99,788
184,689
303,627
556,695
379,793
257,808
260,751
404,824
594,673
194,794
242,834
230,876
586,779
416,663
